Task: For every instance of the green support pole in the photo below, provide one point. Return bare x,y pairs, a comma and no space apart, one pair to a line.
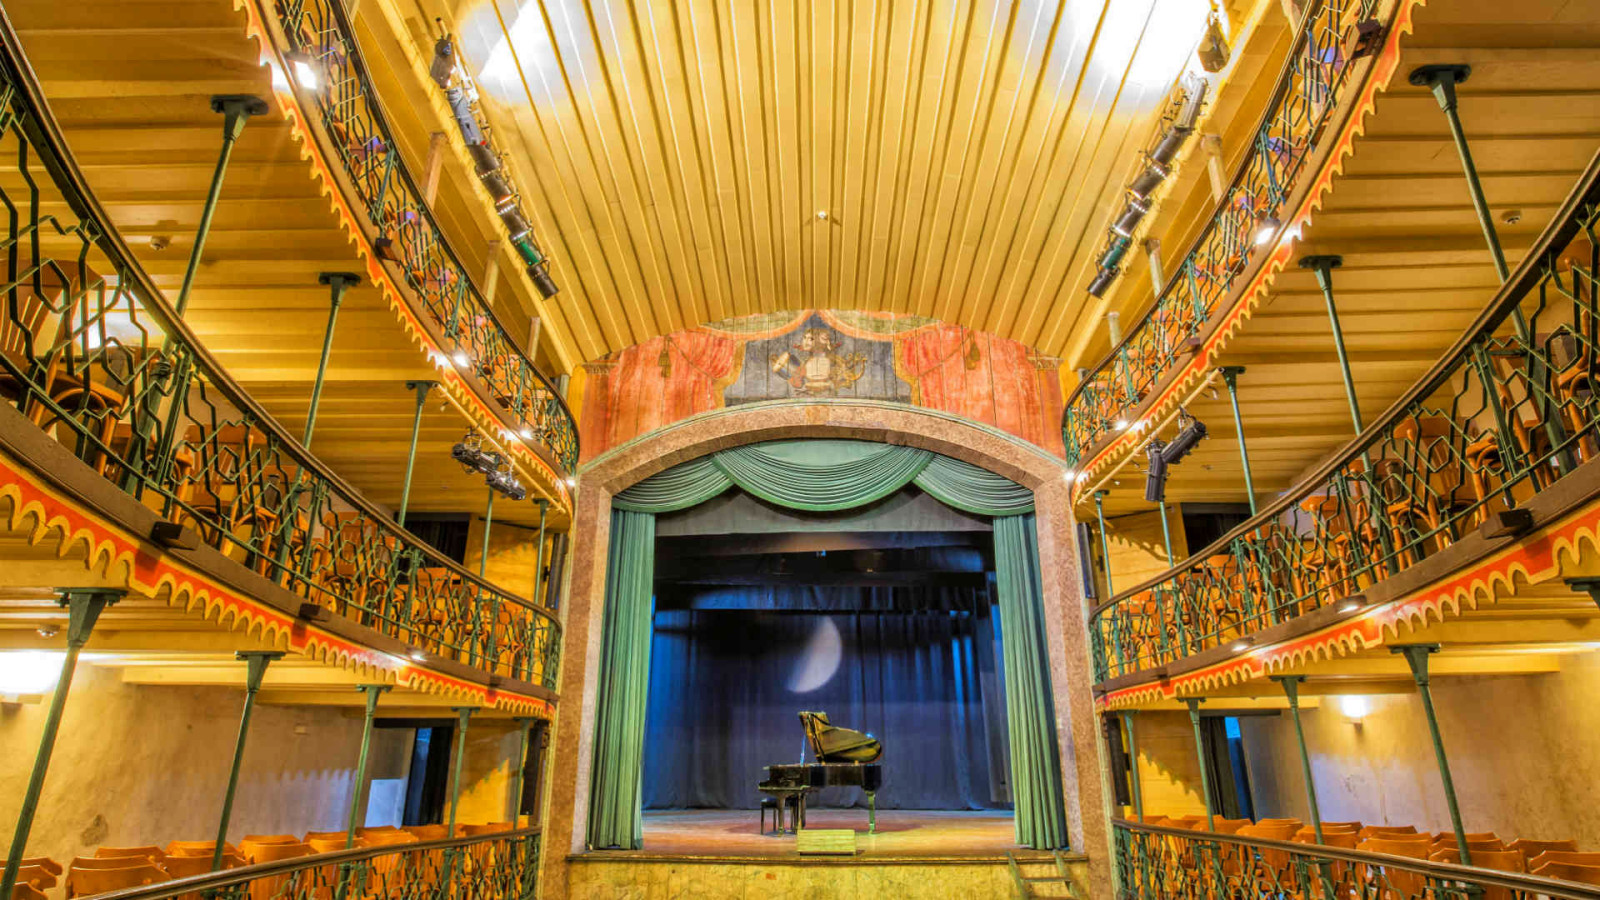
1442,80
1322,267
1166,535
483,563
236,110
1291,689
373,692
1417,657
83,610
524,724
465,712
1230,377
338,283
422,388
488,522
1200,751
1133,765
1105,545
255,669
538,565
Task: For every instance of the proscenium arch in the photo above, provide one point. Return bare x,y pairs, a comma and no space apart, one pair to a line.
1077,729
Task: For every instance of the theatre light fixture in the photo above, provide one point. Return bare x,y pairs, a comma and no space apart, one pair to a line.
1191,431
495,468
1155,480
1266,229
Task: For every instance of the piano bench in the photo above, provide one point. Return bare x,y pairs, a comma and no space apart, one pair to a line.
777,814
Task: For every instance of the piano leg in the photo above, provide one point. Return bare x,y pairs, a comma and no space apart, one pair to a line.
872,812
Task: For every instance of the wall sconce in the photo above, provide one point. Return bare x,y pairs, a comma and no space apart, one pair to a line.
1354,707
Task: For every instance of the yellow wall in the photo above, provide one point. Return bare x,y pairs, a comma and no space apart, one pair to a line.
486,775
139,765
513,556
1524,752
1169,768
1138,552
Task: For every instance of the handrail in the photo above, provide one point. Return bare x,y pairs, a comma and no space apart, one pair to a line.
1156,861
505,859
1506,412
90,346
358,132
1310,88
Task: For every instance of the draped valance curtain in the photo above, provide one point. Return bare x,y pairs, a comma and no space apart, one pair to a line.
819,476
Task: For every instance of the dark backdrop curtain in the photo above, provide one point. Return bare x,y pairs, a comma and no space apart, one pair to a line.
726,687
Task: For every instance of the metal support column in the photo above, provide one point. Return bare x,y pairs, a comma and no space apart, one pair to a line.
373,692
524,724
1291,689
465,714
422,388
255,669
538,565
236,110
1322,267
1200,752
1230,377
1417,657
488,523
1166,535
83,610
1105,545
338,283
1133,765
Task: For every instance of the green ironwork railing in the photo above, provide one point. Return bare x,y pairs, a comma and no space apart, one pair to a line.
92,353
1508,411
1158,863
319,36
1313,82
501,866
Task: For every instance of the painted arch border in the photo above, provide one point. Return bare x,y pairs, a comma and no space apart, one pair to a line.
1077,727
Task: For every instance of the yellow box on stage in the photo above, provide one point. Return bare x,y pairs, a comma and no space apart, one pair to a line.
826,841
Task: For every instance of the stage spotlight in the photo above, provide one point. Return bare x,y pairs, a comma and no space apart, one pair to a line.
1155,480
1149,179
507,484
1131,214
1193,431
470,453
1214,51
1102,281
1166,151
543,281
1266,229
443,68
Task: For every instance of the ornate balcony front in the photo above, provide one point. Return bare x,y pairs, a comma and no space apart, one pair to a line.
96,359
1496,442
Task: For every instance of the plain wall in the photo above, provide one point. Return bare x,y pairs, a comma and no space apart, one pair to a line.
139,765
1169,767
1524,752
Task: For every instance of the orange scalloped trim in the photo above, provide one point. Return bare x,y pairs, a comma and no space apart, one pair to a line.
1255,293
484,417
44,513
1535,559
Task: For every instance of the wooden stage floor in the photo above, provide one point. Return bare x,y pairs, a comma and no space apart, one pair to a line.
901,833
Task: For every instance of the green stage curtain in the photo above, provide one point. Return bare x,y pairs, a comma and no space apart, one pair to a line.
827,475
821,475
616,787
680,487
1030,713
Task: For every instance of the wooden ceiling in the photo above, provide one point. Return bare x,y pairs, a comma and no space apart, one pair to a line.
1416,268
688,162
130,83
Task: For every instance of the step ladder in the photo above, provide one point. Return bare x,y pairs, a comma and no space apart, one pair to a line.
1024,883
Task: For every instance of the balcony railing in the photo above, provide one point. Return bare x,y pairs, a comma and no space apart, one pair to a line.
1314,81
501,866
91,352
317,34
1508,412
1157,863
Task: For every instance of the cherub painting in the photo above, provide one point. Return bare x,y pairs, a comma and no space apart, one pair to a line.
814,369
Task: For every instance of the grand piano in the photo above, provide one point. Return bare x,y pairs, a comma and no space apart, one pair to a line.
843,758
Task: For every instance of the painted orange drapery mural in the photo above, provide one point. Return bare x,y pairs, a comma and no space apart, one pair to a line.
821,354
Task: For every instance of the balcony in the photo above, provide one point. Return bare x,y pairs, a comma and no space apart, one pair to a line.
1463,493
123,431
1343,53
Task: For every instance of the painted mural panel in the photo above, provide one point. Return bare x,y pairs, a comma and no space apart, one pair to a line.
821,355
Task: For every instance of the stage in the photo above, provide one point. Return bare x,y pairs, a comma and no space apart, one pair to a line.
915,854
